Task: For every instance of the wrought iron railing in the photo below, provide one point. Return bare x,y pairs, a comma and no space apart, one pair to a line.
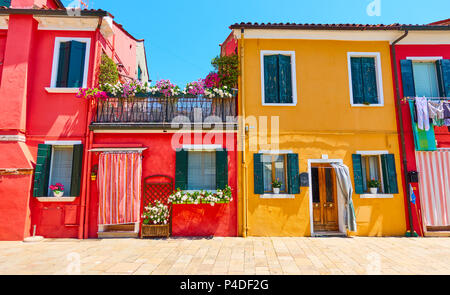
166,110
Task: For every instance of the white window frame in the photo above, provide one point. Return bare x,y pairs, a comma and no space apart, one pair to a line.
376,196
58,41
293,73
379,77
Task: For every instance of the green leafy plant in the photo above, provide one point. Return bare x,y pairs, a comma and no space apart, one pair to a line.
276,183
108,71
374,183
227,68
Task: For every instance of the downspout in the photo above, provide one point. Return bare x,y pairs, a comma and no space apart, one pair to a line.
242,130
412,232
84,203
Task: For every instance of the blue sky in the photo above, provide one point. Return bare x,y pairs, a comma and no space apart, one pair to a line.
182,36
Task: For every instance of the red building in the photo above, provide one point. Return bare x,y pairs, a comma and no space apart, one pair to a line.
48,135
422,60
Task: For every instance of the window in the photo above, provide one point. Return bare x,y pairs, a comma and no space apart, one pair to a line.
365,79
278,78
427,76
274,169
70,63
139,72
201,169
61,167
58,164
378,166
281,167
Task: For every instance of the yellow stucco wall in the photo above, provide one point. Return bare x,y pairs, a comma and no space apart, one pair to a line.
322,123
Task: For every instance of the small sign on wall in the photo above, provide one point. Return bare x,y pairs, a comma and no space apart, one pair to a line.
304,179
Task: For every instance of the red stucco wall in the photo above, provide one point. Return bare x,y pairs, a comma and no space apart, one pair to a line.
442,134
159,158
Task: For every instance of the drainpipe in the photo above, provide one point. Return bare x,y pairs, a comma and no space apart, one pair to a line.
402,133
243,126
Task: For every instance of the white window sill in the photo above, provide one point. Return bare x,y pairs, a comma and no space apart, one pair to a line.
56,200
61,90
376,196
280,104
367,105
276,196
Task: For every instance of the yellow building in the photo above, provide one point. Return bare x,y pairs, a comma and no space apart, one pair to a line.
326,95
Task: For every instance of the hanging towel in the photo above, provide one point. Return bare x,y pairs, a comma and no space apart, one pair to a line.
423,140
423,118
119,182
345,189
447,113
436,112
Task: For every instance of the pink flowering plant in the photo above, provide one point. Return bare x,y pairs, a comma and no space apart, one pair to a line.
92,93
196,88
212,80
167,88
57,188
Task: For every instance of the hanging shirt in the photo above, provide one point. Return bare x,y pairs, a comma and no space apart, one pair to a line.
423,119
436,112
447,113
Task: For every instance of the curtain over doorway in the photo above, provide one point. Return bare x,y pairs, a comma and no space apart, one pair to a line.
434,187
345,190
119,182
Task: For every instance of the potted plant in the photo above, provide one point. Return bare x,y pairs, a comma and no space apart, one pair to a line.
276,185
58,190
373,186
94,173
155,221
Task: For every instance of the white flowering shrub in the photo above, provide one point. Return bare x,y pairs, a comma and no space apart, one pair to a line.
156,214
201,197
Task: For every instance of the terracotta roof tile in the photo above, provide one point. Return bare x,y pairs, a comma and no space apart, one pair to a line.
313,26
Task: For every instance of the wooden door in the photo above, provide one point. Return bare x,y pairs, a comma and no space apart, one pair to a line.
325,209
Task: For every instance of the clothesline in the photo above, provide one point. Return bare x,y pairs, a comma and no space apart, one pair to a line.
405,99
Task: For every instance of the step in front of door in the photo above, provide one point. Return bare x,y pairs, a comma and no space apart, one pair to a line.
328,234
117,234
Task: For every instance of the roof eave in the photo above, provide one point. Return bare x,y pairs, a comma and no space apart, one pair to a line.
52,12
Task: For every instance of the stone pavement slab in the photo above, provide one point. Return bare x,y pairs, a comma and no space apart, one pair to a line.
250,256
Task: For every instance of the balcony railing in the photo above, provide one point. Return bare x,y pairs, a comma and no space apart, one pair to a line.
166,110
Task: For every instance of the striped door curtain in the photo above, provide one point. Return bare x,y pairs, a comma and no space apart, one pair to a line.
119,182
434,186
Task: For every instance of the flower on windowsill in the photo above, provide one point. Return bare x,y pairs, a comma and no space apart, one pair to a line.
276,183
373,183
57,188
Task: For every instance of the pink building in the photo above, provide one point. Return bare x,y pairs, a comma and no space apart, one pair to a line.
46,54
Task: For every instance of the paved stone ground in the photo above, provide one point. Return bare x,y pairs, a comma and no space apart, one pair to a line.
229,256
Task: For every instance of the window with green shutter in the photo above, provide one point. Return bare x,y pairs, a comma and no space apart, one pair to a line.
71,63
364,80
284,168
278,88
58,164
201,170
375,167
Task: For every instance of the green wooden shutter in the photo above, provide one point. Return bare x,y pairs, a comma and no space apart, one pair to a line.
443,67
42,171
76,64
221,169
285,79
258,171
409,88
77,164
369,80
358,174
389,174
63,64
271,79
357,80
293,174
181,170
6,3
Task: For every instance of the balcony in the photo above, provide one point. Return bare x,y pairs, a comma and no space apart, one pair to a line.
164,112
